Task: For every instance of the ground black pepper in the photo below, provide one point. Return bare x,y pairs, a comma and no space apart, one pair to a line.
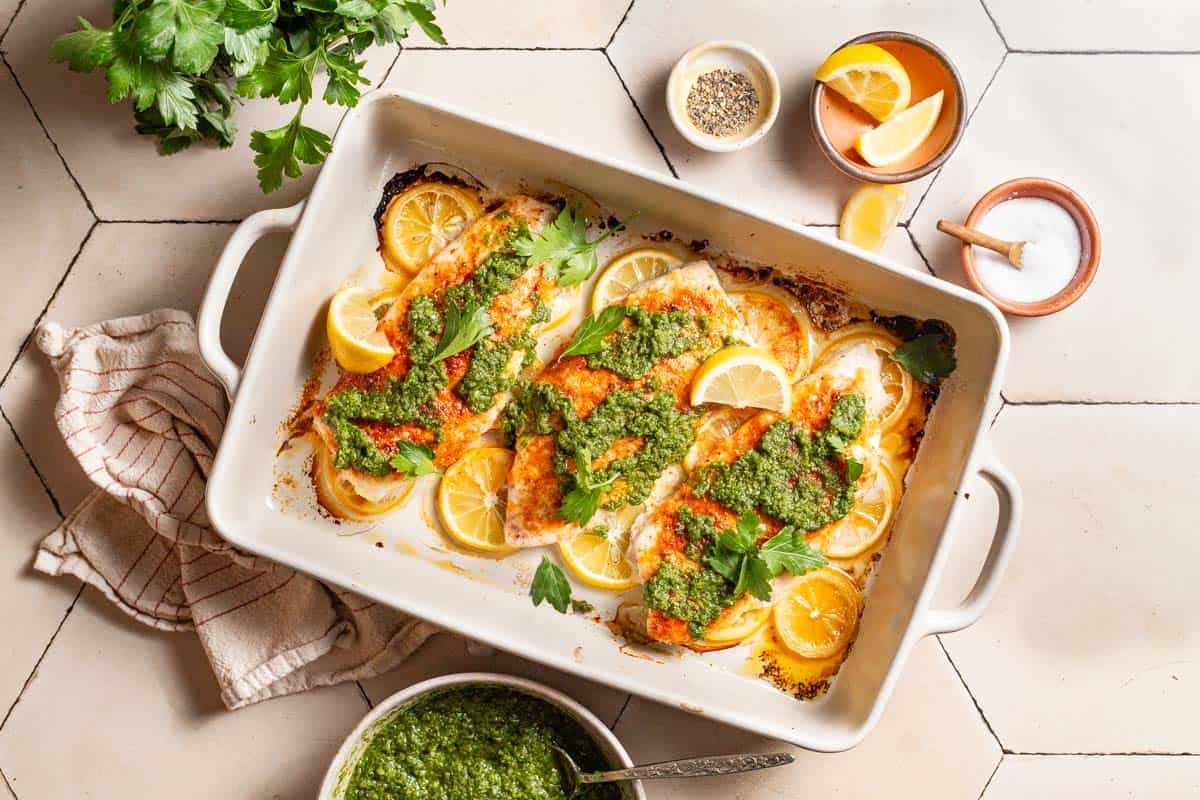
722,102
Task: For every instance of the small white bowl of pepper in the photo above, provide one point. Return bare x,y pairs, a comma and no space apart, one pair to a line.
723,95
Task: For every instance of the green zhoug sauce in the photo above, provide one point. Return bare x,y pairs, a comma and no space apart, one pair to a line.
475,744
666,435
797,477
410,398
649,337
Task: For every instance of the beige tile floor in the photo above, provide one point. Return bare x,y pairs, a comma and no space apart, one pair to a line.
1080,681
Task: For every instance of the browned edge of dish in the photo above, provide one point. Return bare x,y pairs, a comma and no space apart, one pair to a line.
1089,234
860,172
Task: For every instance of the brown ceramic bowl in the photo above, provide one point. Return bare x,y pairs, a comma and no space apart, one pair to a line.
1089,236
837,123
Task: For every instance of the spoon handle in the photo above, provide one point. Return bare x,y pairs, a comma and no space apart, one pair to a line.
972,236
692,767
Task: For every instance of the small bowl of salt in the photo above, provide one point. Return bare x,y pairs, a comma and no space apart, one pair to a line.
1061,252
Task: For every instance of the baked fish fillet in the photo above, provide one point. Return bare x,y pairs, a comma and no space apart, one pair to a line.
659,536
535,487
454,417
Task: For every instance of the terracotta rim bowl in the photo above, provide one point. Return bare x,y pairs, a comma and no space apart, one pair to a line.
836,122
1089,235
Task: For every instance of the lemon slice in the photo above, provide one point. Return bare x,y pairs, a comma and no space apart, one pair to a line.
818,615
562,302
716,427
871,214
743,377
600,560
351,324
736,624
870,77
628,270
472,496
341,493
895,139
868,521
897,383
422,220
779,326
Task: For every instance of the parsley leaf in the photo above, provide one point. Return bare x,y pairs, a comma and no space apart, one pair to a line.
562,247
247,49
589,338
281,150
854,470
413,460
244,15
927,358
726,563
465,327
423,14
789,550
188,30
550,584
344,76
579,505
754,577
743,538
85,49
282,74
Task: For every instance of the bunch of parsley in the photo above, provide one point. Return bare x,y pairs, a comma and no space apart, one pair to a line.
184,64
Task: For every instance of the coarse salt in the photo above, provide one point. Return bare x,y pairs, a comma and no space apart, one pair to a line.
1051,255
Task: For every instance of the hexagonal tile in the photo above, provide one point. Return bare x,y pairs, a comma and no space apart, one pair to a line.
1096,777
120,171
526,23
1097,24
785,172
580,102
157,727
445,653
1090,644
930,741
1084,120
130,269
31,605
44,215
8,8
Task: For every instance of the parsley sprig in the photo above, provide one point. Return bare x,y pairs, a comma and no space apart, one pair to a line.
466,326
589,337
413,460
562,247
737,557
580,504
183,64
927,358
551,585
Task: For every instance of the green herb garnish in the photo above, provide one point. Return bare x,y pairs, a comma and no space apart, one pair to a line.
562,247
927,358
182,61
736,556
413,460
465,327
551,585
589,338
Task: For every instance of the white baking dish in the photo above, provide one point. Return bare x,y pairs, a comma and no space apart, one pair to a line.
333,228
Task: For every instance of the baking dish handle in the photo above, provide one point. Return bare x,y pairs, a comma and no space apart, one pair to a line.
1003,543
212,308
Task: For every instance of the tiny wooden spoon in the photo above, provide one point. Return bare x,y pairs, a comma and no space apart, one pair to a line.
1010,250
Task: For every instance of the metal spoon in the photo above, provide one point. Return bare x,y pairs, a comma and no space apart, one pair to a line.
1013,251
573,778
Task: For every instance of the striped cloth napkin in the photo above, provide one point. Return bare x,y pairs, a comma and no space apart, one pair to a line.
143,416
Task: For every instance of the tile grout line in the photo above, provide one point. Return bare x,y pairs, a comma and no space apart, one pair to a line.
995,25
7,785
86,200
620,23
966,128
363,692
33,673
996,416
170,221
1115,52
621,713
8,27
970,694
916,246
45,308
1180,403
988,782
662,150
41,478
441,48
388,72
1086,754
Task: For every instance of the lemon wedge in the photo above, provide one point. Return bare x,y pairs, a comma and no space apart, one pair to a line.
357,345
422,220
870,77
895,139
870,215
818,615
736,624
472,498
600,560
743,377
868,521
627,270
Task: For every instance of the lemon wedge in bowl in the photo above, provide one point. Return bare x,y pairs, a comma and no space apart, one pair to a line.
870,77
897,138
871,214
743,377
353,336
